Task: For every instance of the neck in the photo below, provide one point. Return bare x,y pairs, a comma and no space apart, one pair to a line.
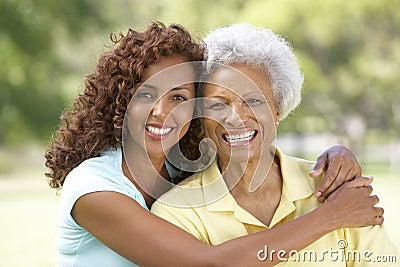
251,176
147,173
259,189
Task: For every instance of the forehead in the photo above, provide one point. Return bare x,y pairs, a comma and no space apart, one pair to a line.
238,79
169,72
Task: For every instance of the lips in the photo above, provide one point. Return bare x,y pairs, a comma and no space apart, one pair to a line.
157,132
240,138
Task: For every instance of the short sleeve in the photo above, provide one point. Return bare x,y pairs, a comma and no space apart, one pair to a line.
82,181
184,218
372,246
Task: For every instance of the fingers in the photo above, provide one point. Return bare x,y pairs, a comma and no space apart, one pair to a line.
341,178
354,170
337,174
377,212
319,166
343,175
361,181
368,188
375,199
378,218
329,178
363,192
340,164
357,205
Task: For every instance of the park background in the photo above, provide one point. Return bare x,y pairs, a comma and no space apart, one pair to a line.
349,52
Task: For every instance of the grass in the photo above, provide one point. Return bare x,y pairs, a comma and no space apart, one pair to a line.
28,209
386,185
27,228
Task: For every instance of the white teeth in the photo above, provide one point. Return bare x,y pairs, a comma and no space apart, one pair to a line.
237,138
158,131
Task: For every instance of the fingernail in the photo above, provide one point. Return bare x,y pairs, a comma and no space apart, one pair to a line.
318,194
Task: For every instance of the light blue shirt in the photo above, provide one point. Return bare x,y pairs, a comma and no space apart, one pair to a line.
76,246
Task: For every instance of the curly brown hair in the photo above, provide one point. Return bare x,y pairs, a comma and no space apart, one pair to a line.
94,123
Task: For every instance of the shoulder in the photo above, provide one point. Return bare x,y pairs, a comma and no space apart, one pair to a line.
192,181
185,194
296,170
103,173
95,171
294,162
304,164
374,239
183,205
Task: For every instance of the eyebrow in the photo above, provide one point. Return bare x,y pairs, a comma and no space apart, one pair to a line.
253,92
215,97
149,86
246,94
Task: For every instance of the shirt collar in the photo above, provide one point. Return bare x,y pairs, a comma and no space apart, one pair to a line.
295,180
216,193
295,183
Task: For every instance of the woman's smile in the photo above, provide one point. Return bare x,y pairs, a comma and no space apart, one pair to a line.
161,107
239,138
157,131
239,111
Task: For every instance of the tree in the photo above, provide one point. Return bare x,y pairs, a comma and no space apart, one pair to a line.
350,54
31,74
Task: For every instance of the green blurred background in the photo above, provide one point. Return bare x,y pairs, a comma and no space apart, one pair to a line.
349,52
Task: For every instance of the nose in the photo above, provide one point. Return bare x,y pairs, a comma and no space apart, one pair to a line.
236,115
160,108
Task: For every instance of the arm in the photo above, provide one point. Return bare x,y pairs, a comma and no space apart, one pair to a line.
127,228
340,164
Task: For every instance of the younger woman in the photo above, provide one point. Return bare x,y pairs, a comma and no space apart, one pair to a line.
104,217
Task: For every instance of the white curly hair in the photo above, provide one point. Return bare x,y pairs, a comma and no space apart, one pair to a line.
259,48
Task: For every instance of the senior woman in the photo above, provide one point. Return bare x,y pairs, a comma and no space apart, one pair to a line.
253,82
103,216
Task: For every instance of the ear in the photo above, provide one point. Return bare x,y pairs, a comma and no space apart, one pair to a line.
277,117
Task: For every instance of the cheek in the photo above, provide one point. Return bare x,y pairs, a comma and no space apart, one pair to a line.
183,114
184,129
139,111
264,115
268,127
135,117
210,127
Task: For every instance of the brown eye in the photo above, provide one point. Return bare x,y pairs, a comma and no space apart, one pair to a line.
179,98
253,102
217,106
145,96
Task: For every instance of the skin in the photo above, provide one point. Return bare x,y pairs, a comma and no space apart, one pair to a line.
240,100
340,169
123,225
158,116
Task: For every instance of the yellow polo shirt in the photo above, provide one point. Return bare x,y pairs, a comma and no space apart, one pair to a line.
203,206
